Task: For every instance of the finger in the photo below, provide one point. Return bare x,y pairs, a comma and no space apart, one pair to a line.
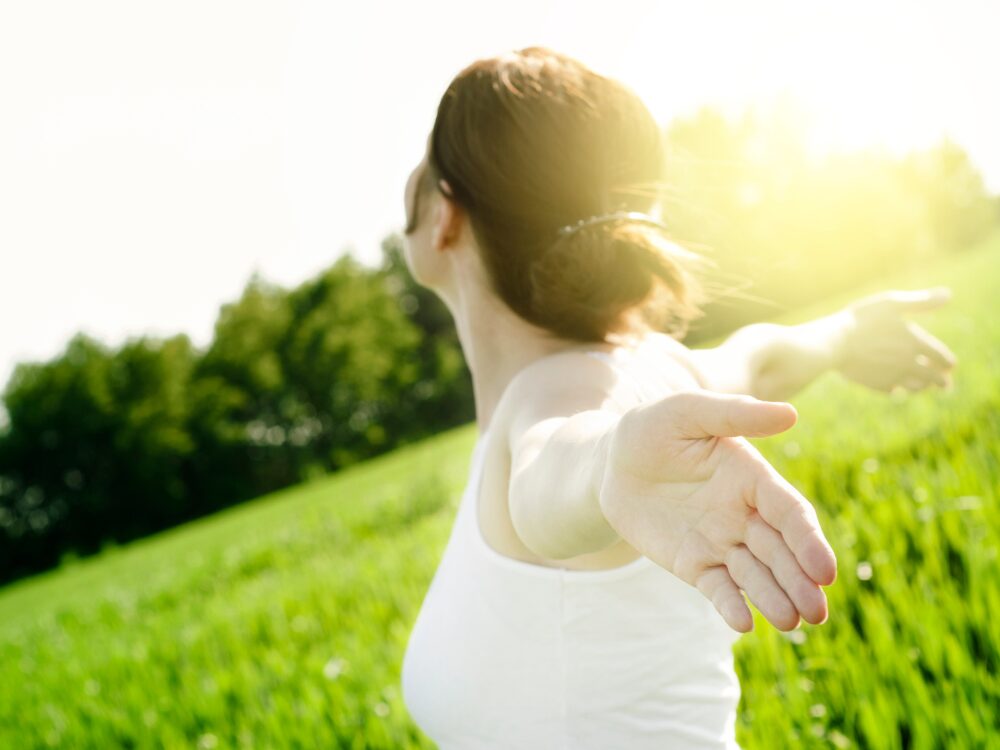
720,589
932,348
929,374
699,414
794,517
754,577
769,547
912,383
919,299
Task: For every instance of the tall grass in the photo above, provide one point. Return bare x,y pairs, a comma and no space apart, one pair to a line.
282,623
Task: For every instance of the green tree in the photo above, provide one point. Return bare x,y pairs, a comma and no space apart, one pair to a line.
95,448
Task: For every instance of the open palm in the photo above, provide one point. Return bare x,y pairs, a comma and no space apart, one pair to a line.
685,488
883,350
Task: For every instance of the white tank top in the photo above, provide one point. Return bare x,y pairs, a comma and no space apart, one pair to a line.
509,654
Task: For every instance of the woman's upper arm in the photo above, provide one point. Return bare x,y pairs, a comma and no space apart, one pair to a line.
545,394
734,365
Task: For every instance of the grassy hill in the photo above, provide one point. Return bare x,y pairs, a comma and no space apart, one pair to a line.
282,622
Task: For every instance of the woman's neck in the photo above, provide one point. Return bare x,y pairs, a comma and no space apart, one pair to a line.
497,344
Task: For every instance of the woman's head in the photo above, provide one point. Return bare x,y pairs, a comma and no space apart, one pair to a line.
530,141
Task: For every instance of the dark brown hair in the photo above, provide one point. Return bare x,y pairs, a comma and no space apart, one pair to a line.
533,140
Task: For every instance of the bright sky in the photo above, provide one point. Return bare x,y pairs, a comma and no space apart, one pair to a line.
152,156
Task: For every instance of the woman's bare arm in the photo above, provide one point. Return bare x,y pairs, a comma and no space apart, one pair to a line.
557,436
772,361
869,342
674,479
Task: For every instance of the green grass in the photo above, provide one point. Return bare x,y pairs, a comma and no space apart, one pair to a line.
282,623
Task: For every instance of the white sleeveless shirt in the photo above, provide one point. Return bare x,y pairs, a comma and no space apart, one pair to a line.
509,654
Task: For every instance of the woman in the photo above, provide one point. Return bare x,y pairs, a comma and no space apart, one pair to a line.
590,591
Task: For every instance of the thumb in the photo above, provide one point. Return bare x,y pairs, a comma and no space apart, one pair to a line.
699,414
920,299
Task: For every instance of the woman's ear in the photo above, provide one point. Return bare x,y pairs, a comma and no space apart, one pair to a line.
447,225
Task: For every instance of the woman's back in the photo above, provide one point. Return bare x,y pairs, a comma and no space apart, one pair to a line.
509,654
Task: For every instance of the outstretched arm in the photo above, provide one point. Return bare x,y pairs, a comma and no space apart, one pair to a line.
868,342
771,361
673,477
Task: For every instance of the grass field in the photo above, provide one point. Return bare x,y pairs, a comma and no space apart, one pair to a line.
282,623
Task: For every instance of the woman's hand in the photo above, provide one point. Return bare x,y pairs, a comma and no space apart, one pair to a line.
685,489
882,350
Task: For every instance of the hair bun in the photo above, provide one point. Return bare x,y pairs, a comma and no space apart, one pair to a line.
583,283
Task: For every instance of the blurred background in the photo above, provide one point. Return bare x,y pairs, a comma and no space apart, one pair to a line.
205,302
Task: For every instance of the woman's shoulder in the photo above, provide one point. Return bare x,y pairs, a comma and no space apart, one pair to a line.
610,375
679,352
569,380
600,363
568,369
662,352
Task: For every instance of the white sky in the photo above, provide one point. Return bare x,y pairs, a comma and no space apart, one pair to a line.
153,155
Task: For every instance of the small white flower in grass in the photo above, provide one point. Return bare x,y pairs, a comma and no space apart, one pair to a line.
333,668
806,685
797,636
969,502
381,709
864,570
208,741
838,739
869,465
817,711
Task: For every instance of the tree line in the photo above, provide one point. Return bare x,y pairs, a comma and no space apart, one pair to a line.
109,445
